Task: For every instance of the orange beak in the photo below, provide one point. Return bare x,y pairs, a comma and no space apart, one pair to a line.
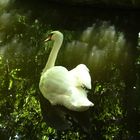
48,38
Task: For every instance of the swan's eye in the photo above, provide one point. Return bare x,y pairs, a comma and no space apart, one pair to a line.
49,37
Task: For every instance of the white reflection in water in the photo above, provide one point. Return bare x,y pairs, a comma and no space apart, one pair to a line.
99,46
5,19
4,2
139,39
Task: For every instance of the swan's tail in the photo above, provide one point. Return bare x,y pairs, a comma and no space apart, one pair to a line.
82,105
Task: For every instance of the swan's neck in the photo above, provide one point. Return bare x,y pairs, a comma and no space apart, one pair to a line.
53,55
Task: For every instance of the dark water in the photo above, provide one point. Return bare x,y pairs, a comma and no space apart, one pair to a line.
107,41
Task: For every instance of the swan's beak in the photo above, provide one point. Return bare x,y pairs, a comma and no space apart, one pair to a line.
48,38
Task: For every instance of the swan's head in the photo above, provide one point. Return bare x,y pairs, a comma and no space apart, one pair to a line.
54,35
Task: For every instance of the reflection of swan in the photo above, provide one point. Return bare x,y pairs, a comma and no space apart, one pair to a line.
63,87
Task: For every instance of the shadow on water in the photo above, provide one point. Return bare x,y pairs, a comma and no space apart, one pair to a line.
73,17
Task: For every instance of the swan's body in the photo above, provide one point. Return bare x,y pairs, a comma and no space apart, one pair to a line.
63,87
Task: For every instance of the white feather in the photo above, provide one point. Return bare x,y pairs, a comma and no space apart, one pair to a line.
81,76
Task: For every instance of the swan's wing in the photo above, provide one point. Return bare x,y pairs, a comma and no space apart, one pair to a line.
54,84
81,76
56,78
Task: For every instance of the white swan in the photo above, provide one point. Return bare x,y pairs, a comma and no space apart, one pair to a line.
63,87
